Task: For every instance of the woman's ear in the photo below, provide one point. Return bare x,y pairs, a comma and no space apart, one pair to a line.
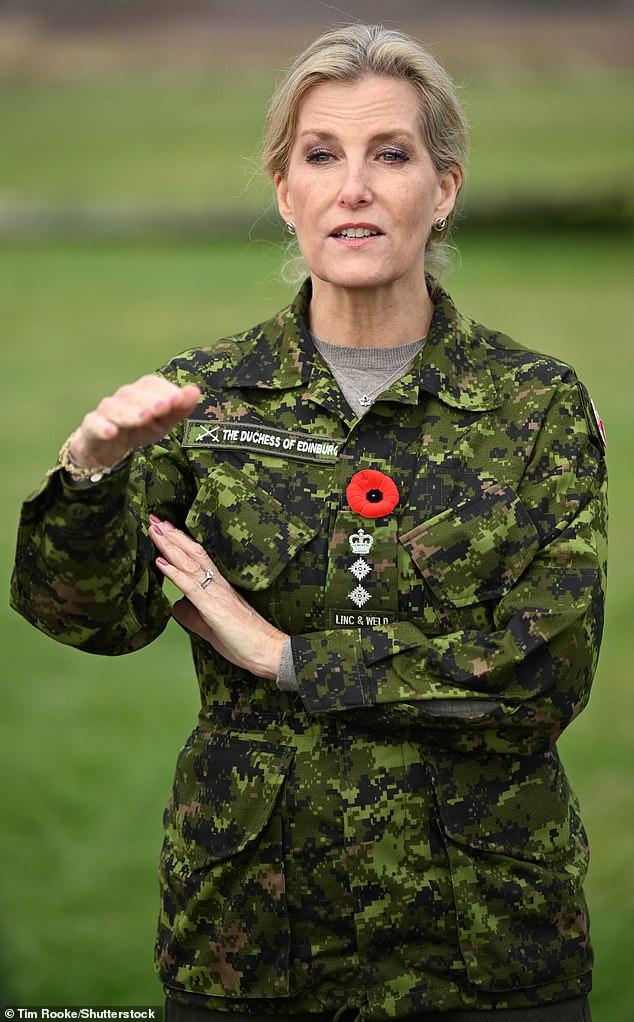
283,203
450,182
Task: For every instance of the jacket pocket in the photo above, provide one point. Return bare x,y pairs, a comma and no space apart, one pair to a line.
223,927
474,551
518,857
246,530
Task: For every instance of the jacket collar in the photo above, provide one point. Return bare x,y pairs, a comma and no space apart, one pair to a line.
456,360
453,365
278,353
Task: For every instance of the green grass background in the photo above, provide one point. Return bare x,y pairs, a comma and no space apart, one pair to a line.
196,139
87,743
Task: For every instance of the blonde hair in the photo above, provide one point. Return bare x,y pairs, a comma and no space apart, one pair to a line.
354,52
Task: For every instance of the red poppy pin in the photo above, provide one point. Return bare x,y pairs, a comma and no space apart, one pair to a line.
371,493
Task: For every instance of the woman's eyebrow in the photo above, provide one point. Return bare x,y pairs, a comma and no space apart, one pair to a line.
321,136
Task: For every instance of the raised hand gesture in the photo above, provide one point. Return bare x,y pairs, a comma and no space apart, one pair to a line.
136,414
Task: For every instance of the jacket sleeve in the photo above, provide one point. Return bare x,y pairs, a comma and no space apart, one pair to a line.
84,571
515,685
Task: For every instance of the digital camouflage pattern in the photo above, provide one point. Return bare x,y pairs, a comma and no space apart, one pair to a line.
401,832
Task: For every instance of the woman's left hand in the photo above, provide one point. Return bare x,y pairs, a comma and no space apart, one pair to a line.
216,612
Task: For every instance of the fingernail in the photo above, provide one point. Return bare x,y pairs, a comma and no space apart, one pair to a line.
161,560
154,519
157,529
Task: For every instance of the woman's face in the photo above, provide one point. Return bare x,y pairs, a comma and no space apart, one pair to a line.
361,187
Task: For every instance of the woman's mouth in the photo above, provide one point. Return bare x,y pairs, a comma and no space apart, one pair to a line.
356,232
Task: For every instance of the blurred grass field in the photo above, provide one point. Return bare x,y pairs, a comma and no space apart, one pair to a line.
196,140
88,743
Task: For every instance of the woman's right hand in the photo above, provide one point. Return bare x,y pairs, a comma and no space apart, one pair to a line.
136,414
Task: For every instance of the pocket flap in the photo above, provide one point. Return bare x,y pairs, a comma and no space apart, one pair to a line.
476,550
224,792
245,529
518,858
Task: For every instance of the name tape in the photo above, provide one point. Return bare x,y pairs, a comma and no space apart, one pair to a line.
240,436
356,619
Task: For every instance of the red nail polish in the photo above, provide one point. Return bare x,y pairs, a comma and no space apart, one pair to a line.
161,560
157,529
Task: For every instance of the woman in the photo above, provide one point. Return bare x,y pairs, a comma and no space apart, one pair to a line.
388,526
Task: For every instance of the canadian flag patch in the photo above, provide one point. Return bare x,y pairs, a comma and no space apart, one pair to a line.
599,421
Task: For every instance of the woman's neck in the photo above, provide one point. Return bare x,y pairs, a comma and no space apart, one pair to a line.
368,317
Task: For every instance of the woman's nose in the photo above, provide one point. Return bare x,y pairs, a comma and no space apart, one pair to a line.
355,188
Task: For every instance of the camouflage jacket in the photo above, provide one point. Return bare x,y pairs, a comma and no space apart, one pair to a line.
400,831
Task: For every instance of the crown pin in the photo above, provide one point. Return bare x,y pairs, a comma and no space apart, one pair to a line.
361,542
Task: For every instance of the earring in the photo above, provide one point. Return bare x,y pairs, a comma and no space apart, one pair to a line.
290,227
440,223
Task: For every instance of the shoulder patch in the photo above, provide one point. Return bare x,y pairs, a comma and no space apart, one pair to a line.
599,422
596,428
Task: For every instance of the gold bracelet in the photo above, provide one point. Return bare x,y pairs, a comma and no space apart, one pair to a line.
93,473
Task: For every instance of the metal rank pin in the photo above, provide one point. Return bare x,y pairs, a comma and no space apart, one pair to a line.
359,596
360,543
360,569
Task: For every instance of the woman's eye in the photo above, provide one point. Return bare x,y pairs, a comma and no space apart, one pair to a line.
393,156
318,156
